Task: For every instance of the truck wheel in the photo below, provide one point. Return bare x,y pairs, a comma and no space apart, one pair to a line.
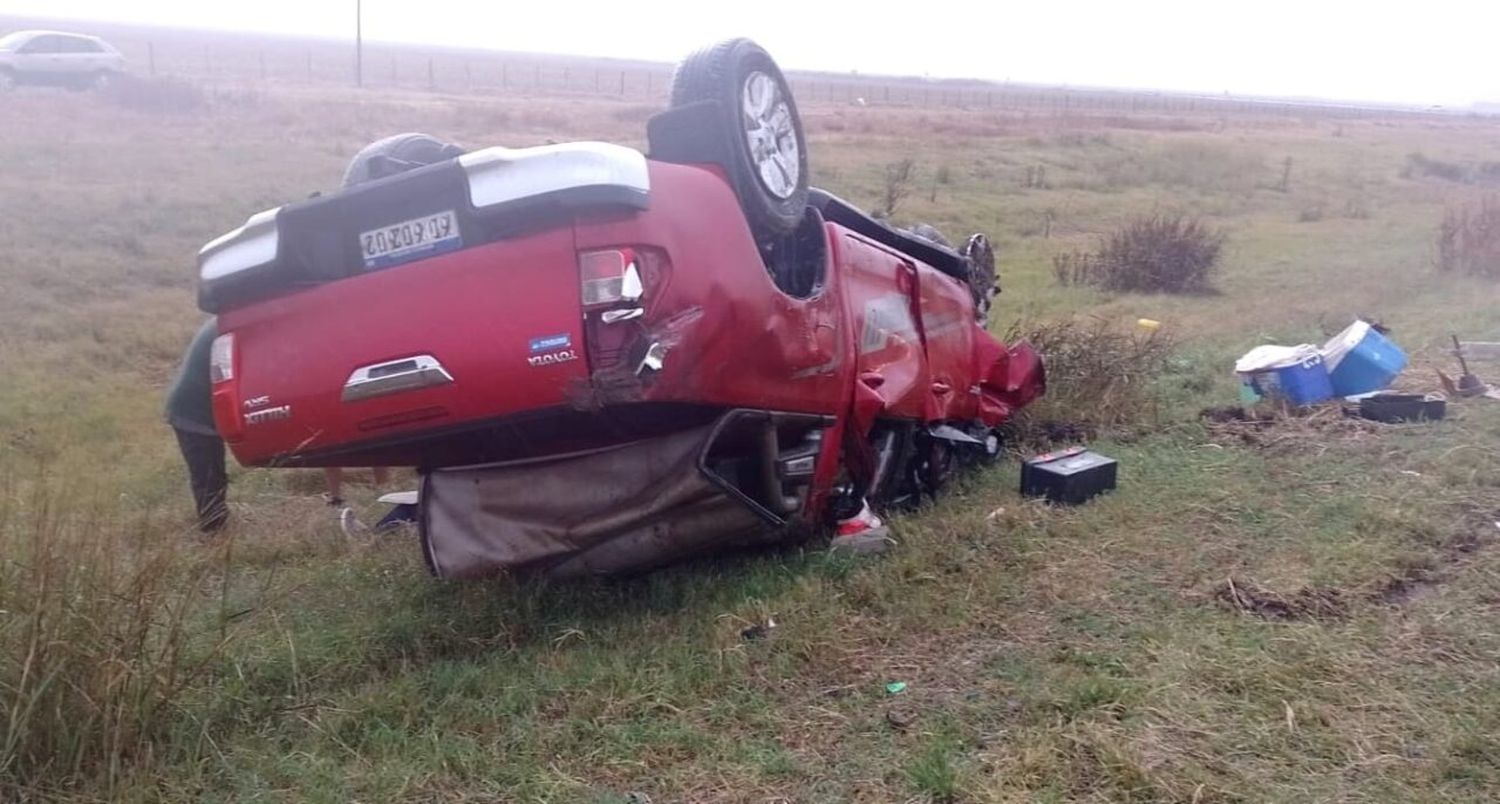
767,153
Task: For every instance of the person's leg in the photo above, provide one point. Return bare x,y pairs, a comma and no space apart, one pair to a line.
204,457
335,478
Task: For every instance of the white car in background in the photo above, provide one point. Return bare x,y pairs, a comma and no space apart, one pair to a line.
62,59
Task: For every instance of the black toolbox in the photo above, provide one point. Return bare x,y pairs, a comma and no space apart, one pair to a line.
1069,477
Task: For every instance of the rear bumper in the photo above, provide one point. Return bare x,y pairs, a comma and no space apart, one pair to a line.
494,193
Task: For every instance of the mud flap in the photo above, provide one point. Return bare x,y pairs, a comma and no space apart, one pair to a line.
624,509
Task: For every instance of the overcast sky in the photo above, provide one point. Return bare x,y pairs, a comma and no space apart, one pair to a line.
1436,51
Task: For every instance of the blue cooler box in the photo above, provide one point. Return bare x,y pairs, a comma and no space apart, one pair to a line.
1303,383
1361,360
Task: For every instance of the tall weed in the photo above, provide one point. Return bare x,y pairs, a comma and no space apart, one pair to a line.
102,631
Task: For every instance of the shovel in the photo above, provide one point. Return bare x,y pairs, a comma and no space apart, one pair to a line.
1468,384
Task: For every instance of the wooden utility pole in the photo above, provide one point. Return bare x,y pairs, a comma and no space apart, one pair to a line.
359,43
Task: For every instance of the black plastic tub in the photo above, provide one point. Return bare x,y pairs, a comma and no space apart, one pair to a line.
1395,408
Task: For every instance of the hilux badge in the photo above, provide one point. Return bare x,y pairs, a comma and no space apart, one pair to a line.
548,350
280,413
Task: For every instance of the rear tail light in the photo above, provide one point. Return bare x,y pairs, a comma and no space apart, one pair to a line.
610,277
226,391
221,358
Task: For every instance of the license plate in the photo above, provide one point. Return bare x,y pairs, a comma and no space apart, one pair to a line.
410,240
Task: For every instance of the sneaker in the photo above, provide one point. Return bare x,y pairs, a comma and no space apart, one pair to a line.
862,534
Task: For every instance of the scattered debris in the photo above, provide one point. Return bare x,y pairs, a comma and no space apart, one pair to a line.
1395,408
1398,588
751,633
350,524
861,534
1312,603
1469,384
1233,413
1359,360
895,687
995,514
1481,349
1057,432
1305,429
900,719
1070,477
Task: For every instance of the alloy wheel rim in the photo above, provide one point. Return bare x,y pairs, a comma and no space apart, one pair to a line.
770,134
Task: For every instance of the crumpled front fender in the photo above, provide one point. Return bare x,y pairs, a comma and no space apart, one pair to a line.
1014,377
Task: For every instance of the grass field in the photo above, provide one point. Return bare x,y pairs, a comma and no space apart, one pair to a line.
1301,612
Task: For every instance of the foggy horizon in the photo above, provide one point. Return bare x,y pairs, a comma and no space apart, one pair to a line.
1276,51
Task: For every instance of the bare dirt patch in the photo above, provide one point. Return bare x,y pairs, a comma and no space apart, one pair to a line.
1324,602
1288,431
1309,603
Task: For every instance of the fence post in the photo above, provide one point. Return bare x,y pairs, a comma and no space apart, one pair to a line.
151,59
431,76
395,71
622,83
536,76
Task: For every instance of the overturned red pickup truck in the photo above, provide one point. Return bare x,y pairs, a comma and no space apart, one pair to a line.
603,361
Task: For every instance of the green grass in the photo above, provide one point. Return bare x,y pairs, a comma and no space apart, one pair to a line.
1049,654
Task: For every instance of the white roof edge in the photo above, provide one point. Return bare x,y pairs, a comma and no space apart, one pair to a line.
251,245
498,175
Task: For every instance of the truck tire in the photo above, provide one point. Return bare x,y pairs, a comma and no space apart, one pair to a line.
767,152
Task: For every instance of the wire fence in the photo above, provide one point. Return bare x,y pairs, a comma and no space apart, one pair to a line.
408,68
